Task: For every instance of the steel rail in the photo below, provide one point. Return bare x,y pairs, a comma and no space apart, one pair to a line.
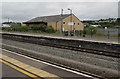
56,45
94,76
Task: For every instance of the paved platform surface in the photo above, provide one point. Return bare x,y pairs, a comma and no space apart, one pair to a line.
8,72
36,70
114,40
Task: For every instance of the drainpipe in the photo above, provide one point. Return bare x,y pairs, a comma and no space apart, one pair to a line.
56,25
61,21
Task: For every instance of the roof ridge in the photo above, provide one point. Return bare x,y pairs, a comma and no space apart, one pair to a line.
54,15
52,18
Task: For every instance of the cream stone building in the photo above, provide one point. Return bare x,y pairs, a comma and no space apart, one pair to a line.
64,22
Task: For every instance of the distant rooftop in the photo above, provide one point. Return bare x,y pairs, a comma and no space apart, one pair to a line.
53,18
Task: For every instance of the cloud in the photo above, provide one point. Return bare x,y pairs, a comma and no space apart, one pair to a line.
23,11
60,0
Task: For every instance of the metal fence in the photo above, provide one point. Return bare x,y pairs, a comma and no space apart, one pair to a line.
109,31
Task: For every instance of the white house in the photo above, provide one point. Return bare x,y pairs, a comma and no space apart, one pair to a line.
5,25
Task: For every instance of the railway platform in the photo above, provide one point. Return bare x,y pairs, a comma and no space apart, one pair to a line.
113,40
28,68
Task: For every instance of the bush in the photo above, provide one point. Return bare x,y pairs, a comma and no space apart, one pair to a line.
90,30
6,29
49,29
32,28
40,27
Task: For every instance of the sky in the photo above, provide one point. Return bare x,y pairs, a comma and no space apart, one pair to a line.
85,10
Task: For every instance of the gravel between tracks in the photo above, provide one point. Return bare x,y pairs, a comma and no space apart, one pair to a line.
99,60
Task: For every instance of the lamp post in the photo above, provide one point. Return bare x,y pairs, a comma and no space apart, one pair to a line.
91,33
108,33
70,17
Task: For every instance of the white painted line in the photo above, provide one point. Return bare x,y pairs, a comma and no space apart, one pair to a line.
49,64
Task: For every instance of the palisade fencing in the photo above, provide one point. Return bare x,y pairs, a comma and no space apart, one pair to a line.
109,31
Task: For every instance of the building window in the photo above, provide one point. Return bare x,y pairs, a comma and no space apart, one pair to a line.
74,23
63,22
78,23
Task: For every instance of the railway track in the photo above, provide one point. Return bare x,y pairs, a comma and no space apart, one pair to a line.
39,42
91,75
56,45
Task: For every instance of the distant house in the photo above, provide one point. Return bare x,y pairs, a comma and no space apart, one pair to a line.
95,25
64,22
5,25
8,24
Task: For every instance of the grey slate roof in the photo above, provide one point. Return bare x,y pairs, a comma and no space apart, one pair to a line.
53,18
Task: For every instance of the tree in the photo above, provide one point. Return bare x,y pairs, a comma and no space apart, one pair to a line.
90,30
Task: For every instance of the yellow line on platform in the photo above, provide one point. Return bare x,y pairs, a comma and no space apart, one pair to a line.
20,70
22,66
